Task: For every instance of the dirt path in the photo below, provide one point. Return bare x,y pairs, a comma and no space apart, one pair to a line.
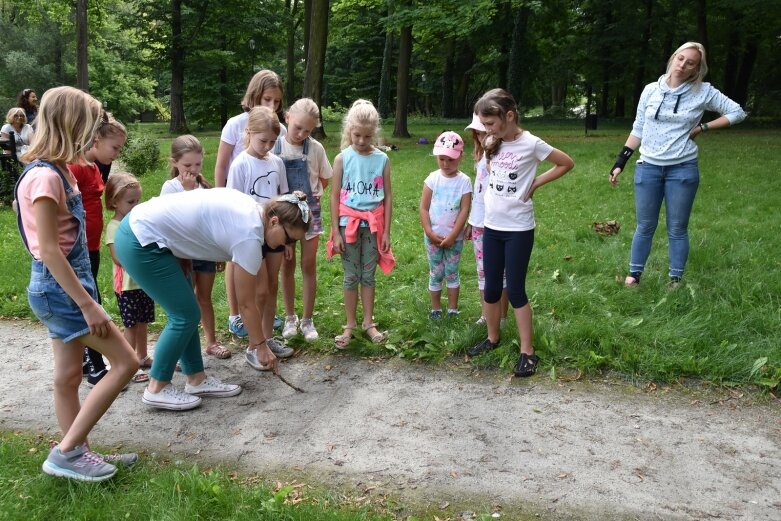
431,435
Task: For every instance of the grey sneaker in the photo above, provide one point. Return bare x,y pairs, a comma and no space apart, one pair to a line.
80,463
251,356
279,349
171,398
213,387
291,326
126,459
308,330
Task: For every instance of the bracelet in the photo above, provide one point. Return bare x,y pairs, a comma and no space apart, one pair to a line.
704,127
258,344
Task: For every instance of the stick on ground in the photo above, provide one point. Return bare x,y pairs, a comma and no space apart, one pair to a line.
298,389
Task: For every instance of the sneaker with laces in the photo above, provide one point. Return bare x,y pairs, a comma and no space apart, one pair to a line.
483,347
236,326
279,349
307,327
170,398
291,327
80,464
251,357
481,321
452,313
212,387
124,459
435,314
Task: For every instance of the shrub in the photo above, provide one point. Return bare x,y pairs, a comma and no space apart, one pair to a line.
9,174
141,154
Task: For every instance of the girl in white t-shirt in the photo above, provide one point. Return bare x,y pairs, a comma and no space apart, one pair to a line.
186,164
264,90
513,155
261,174
444,208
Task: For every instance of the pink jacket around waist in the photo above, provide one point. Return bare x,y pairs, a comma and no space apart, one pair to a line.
376,220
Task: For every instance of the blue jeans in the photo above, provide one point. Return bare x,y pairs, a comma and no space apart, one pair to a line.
677,186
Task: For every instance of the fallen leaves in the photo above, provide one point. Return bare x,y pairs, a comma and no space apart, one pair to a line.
606,227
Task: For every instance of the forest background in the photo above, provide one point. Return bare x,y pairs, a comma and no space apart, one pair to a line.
188,61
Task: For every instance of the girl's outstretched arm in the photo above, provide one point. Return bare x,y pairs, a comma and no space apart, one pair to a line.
45,211
563,164
336,189
388,203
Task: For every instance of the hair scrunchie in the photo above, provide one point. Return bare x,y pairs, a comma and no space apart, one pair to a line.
298,197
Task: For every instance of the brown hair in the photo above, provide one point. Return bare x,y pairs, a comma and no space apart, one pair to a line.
65,126
261,119
116,184
496,102
109,127
262,81
479,150
288,213
181,146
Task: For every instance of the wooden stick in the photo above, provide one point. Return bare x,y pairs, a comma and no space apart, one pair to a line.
298,389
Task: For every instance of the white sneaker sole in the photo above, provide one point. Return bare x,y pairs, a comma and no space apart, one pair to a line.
54,470
216,394
179,406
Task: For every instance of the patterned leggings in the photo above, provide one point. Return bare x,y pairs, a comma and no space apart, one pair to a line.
443,264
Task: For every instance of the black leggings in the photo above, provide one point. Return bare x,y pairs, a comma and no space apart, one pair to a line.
507,253
92,357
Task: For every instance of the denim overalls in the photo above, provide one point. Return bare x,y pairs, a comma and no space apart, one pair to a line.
298,179
48,301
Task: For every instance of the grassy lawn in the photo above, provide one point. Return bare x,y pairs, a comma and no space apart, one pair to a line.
722,325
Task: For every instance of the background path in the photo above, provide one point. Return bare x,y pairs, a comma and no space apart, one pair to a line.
431,434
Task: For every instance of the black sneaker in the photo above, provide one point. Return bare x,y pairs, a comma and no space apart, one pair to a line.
526,366
94,378
483,347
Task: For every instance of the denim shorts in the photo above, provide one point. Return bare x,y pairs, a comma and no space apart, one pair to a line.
316,226
54,307
202,266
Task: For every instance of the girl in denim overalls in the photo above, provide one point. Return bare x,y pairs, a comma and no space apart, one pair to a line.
62,291
308,170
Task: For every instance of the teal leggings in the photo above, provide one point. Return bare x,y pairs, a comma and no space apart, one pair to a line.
159,274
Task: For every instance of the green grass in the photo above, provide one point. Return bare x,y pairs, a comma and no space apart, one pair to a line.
722,325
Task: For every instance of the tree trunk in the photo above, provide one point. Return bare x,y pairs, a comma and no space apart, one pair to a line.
383,98
503,13
518,54
402,82
731,62
747,61
290,79
640,79
82,72
702,23
307,25
463,106
447,78
315,60
178,123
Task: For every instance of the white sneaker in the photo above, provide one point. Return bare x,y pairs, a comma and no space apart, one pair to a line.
308,330
170,398
251,356
291,327
279,349
211,386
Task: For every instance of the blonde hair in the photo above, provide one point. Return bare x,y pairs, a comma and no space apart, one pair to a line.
361,114
116,184
184,145
9,117
262,81
109,127
306,106
702,67
496,102
65,126
261,119
479,150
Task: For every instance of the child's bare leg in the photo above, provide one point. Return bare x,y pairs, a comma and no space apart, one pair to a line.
523,319
309,274
289,283
142,337
504,303
367,302
77,421
436,300
350,310
452,297
492,312
204,283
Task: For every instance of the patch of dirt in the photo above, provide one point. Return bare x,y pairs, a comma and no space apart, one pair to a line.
431,435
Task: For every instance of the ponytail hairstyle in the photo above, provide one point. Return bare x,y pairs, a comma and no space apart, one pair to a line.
308,107
288,212
262,81
116,184
361,114
65,126
261,119
496,102
109,127
184,145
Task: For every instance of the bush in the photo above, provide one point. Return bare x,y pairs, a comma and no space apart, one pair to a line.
9,174
141,155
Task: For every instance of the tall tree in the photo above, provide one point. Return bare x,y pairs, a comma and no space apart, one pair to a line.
402,82
315,59
383,98
519,53
291,10
178,124
82,71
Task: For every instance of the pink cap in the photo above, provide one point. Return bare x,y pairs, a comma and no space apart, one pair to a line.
476,124
449,144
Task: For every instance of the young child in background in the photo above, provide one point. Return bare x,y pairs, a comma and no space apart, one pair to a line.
513,155
474,227
110,137
307,170
186,165
123,192
62,291
261,174
264,90
444,207
361,216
